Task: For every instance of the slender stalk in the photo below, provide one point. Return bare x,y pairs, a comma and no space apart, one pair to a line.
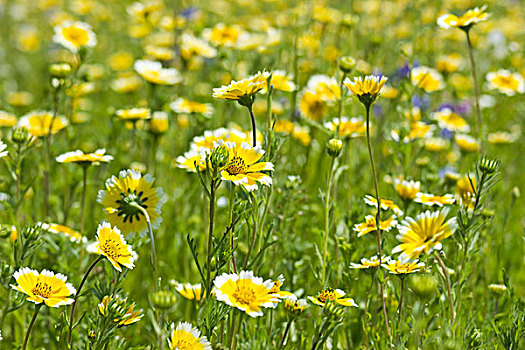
476,86
230,231
285,334
232,328
366,308
400,309
254,126
378,216
252,243
48,152
210,234
71,317
449,291
37,308
235,338
152,241
327,206
83,201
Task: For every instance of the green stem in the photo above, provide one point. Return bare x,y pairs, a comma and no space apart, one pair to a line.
400,309
77,295
378,217
210,234
327,206
476,86
230,230
37,308
285,334
235,336
152,241
254,126
83,201
449,290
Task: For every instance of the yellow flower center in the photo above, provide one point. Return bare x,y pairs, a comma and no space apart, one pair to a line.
244,295
237,166
327,294
182,344
42,289
77,36
111,249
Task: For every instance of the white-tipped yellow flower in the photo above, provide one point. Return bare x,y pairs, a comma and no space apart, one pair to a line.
403,267
371,85
85,158
182,105
42,123
58,229
506,82
153,72
407,190
190,291
74,35
241,90
467,143
280,81
111,244
448,119
335,296
465,21
428,79
124,312
186,337
370,225
344,127
245,292
191,46
385,204
44,287
373,262
431,199
424,234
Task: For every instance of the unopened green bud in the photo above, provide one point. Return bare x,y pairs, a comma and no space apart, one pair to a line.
164,300
332,309
219,157
347,64
422,161
488,213
488,165
334,147
424,286
498,288
475,339
60,70
515,193
19,135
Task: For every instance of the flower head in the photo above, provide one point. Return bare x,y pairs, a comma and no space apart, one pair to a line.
74,35
467,20
42,123
344,127
111,244
82,158
373,262
424,234
506,82
407,190
190,291
243,90
367,90
403,267
447,119
245,292
186,337
370,225
133,114
431,199
294,305
385,204
124,197
153,72
73,235
428,79
44,287
332,295
123,313
280,81
182,105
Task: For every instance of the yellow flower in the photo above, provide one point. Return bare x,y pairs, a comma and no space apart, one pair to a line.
333,295
436,144
120,309
126,83
389,92
159,52
403,267
122,196
292,304
133,114
427,79
191,46
276,289
345,127
327,88
420,130
7,119
385,204
449,63
121,60
466,143
424,234
464,187
85,158
159,122
370,225
44,287
431,199
186,337
244,168
153,72
42,123
190,291
111,244
223,35
407,189
373,262
74,35
467,20
506,82
19,98
283,126
371,86
280,81
501,137
447,119
245,292
302,134
312,106
73,235
182,105
242,90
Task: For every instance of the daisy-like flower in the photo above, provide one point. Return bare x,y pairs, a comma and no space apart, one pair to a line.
312,106
126,82
74,236
42,123
353,127
327,88
133,114
447,119
436,144
464,187
190,291
191,46
74,35
407,190
111,244
403,267
243,90
501,137
44,287
506,82
85,158
431,199
276,289
370,225
294,305
153,72
222,35
245,292
367,90
7,119
3,152
424,234
467,20
125,194
280,81
123,312
244,168
428,79
373,262
449,63
420,130
182,105
466,143
385,204
333,295
187,337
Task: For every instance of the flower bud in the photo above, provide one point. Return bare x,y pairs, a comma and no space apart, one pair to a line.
334,147
219,157
515,193
424,286
347,64
488,165
159,123
19,135
60,70
498,288
163,300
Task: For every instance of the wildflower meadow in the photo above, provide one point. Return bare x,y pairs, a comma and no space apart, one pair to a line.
262,174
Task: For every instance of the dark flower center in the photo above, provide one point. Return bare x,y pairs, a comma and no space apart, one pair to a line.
128,205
